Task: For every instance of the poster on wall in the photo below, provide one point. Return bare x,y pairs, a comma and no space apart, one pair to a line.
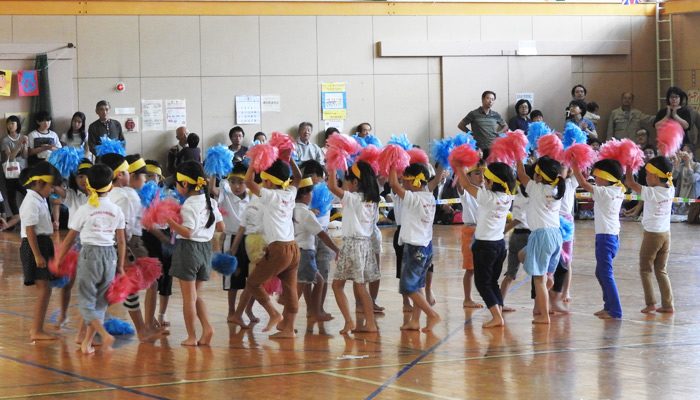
5,82
23,117
152,115
270,103
529,96
248,110
27,83
175,114
334,101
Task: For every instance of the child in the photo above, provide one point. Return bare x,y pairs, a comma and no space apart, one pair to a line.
360,198
98,223
559,294
43,140
36,247
493,201
475,178
192,255
541,254
653,254
282,253
416,237
306,230
608,194
191,152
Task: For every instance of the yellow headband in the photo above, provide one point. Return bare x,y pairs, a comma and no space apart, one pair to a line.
355,170
416,180
198,184
493,178
136,165
94,197
546,178
277,181
84,166
472,169
608,177
232,175
306,182
44,178
124,167
152,169
650,168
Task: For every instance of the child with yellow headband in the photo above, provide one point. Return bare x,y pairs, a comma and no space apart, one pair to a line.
656,220
608,194
36,247
542,252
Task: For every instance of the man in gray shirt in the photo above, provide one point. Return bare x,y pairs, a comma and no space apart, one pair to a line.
625,121
485,123
305,150
103,126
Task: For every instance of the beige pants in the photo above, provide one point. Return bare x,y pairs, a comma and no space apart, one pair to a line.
653,256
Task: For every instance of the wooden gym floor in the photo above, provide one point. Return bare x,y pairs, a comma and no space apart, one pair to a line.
577,357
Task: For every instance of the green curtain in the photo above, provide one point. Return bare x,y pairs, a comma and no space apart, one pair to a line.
42,102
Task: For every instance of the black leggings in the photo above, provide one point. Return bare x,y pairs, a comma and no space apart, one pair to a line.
488,264
559,279
13,187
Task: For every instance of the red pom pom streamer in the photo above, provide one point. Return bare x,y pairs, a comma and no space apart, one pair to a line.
550,145
509,149
284,144
160,211
669,137
393,157
370,155
273,286
150,269
262,156
418,156
580,155
120,288
625,151
463,156
67,267
139,275
340,149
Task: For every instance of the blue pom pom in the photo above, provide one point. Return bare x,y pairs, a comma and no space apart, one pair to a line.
148,192
401,141
321,198
441,151
371,139
360,140
110,146
173,194
59,283
223,263
66,160
464,138
117,327
534,132
219,161
573,135
566,228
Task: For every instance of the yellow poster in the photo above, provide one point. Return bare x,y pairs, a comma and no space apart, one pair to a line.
5,82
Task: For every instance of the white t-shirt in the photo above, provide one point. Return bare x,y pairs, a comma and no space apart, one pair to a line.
195,215
520,210
34,211
542,208
491,214
359,216
469,208
74,199
306,227
252,217
607,201
98,224
419,213
397,208
657,208
278,209
120,197
41,139
233,206
567,201
135,229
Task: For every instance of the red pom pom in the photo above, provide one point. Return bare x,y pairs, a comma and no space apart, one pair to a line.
262,156
67,267
160,211
418,156
550,145
580,155
669,137
340,149
273,285
120,288
625,151
284,144
463,156
150,270
393,157
509,148
370,155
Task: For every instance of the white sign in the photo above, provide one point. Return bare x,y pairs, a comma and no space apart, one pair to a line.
152,115
247,110
175,114
529,96
124,111
333,124
270,103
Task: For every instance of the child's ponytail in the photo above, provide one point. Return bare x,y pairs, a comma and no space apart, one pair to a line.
364,174
210,220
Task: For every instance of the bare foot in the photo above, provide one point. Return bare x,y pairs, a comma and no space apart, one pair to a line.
275,319
665,310
544,320
41,335
189,342
412,325
253,319
323,317
566,297
508,309
349,327
430,322
649,309
378,309
238,321
61,321
605,315
366,329
107,342
162,320
599,313
430,298
558,307
471,304
285,334
150,336
205,339
494,323
87,349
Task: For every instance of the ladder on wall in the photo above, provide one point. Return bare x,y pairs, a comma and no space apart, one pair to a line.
664,52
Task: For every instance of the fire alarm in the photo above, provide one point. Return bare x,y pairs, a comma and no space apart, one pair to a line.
120,87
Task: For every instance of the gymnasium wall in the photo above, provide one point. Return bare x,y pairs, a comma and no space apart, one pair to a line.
208,60
686,31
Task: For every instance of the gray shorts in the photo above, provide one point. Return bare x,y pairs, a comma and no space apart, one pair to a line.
191,260
517,242
324,257
307,266
96,268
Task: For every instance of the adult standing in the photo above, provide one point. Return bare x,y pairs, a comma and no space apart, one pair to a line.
14,148
485,123
181,135
104,125
304,148
236,135
521,120
676,109
626,120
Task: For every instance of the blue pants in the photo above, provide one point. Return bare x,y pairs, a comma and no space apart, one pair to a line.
606,247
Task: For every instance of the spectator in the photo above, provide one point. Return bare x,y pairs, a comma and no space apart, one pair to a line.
577,112
181,136
236,135
686,173
641,138
625,120
14,148
592,113
103,126
676,109
191,152
259,138
43,140
521,120
536,116
305,150
75,136
485,123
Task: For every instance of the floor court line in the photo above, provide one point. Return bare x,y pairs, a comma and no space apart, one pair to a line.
395,387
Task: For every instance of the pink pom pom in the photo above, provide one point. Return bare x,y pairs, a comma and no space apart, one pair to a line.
550,145
580,155
262,156
223,211
625,151
340,149
120,288
370,155
273,285
345,143
463,156
150,270
669,137
393,157
160,211
284,144
67,267
509,148
418,156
